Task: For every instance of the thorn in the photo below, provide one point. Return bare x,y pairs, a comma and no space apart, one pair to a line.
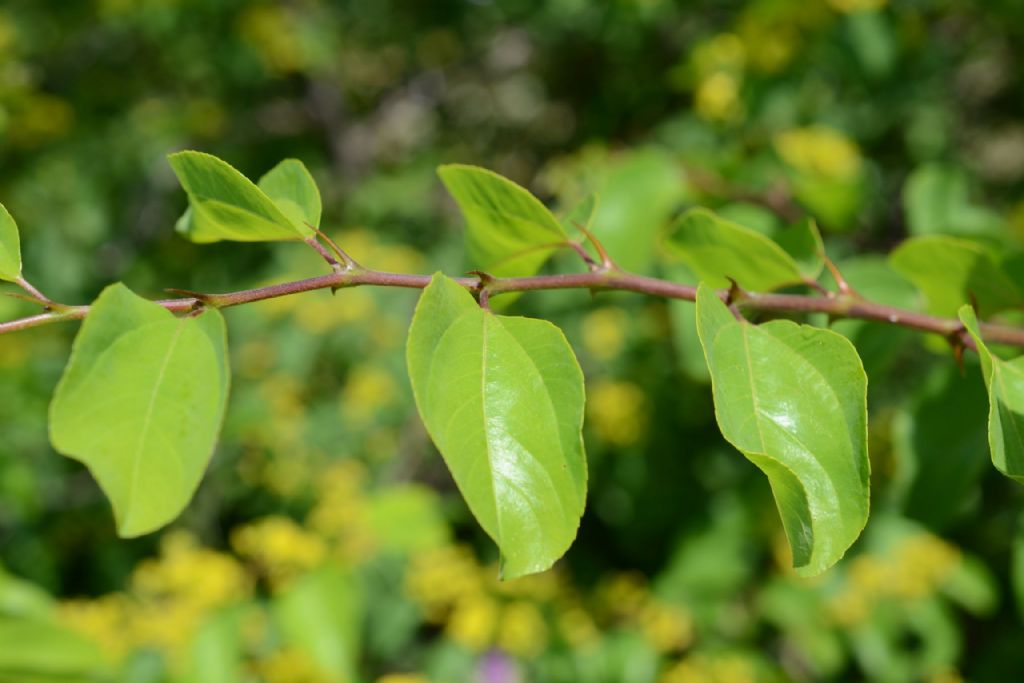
350,263
201,299
483,290
592,265
844,287
606,261
956,341
735,293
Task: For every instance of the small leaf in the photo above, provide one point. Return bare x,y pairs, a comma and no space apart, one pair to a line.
502,398
141,403
509,232
950,271
10,247
936,200
793,399
225,205
1005,383
717,249
291,186
45,649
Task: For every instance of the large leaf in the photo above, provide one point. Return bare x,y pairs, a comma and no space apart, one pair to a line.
1005,383
509,232
10,247
141,403
502,398
950,272
716,250
293,189
225,205
936,200
793,399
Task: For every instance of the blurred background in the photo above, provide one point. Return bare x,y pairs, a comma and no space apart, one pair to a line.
327,543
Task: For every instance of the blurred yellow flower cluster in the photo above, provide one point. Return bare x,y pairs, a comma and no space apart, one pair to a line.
290,665
719,64
852,6
604,332
340,513
280,548
617,411
708,668
820,151
626,599
169,598
916,568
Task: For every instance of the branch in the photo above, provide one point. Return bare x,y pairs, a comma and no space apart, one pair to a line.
602,280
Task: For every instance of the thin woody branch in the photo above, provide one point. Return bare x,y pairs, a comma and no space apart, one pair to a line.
836,307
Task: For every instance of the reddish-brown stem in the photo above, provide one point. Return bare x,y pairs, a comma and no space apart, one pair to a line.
837,306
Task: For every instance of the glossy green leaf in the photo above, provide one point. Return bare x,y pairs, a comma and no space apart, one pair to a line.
291,186
793,399
225,205
1005,383
502,398
10,247
717,249
950,272
509,232
141,403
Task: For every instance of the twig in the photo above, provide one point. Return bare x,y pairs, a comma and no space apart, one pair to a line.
607,281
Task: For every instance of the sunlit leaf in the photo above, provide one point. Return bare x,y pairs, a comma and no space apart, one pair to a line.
502,398
793,399
509,232
10,247
1005,383
950,272
716,250
141,403
225,205
293,189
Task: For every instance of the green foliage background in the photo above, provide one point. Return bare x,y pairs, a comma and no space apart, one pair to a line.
327,542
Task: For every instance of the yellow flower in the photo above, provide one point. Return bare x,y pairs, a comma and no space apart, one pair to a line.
667,627
105,620
604,332
577,627
724,52
522,630
473,621
718,97
291,665
821,151
439,577
281,547
403,678
368,389
617,411
851,6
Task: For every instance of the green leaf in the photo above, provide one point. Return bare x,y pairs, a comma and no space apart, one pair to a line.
225,205
38,648
502,398
214,654
802,241
293,189
509,232
950,271
1005,383
10,247
936,200
793,399
939,442
717,249
320,614
141,403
